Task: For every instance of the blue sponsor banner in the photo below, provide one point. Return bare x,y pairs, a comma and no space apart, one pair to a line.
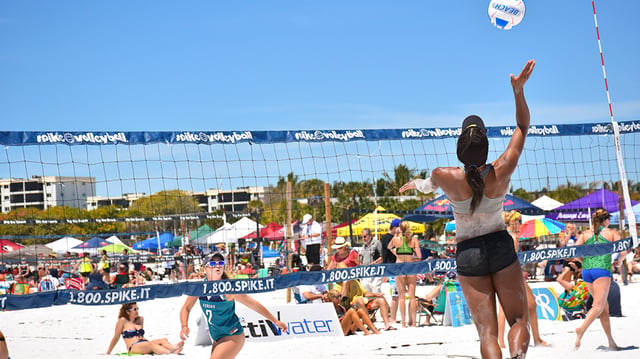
258,285
575,251
16,138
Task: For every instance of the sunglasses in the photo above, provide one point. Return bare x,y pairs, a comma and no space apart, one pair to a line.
133,309
215,264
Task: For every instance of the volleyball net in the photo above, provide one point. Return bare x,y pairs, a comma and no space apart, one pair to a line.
134,185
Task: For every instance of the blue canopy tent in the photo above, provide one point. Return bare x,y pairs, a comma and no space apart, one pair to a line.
615,216
91,245
151,244
269,253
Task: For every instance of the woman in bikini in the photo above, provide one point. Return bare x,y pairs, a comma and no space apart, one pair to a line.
130,327
406,249
486,259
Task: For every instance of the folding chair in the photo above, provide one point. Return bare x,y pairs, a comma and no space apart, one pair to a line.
74,283
425,310
428,309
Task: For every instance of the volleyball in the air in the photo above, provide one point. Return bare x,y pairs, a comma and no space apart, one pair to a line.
505,14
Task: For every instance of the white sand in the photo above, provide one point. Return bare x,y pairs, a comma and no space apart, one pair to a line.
84,332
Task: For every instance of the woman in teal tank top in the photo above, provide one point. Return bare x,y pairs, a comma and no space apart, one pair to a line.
596,272
224,326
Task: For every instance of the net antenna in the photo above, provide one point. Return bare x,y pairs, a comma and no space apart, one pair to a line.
616,139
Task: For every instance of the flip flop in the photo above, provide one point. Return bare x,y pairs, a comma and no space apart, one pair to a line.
390,328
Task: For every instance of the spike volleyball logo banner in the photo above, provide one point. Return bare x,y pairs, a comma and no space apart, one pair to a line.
505,14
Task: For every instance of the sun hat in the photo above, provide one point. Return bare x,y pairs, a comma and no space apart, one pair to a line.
395,223
339,243
306,218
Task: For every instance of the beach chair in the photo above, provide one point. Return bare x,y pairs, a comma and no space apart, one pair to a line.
425,310
74,283
120,280
46,285
574,303
437,312
263,272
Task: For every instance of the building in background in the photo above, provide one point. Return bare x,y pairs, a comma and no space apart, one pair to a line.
123,201
43,192
235,200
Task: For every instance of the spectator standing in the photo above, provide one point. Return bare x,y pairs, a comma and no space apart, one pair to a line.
596,272
312,239
407,250
85,266
389,257
370,254
124,259
105,266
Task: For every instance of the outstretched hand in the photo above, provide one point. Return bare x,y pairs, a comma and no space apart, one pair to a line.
407,186
518,82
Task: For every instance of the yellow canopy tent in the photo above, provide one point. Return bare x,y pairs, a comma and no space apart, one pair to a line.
378,222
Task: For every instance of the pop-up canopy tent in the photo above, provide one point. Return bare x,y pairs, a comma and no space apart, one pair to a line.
547,203
8,246
91,246
269,253
379,221
615,216
581,209
116,248
151,244
32,251
271,231
229,233
192,236
64,244
115,240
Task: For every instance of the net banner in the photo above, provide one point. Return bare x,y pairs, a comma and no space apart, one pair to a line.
264,137
258,285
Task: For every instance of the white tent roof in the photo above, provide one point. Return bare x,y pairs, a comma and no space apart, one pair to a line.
64,244
547,203
115,240
229,233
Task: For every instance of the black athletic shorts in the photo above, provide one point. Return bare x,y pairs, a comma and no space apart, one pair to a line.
486,254
313,253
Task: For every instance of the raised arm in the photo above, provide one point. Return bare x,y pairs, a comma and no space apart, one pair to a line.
564,279
506,164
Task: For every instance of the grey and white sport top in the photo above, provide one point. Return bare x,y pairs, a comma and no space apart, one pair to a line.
487,217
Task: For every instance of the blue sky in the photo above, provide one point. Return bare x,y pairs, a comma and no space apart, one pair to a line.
273,65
